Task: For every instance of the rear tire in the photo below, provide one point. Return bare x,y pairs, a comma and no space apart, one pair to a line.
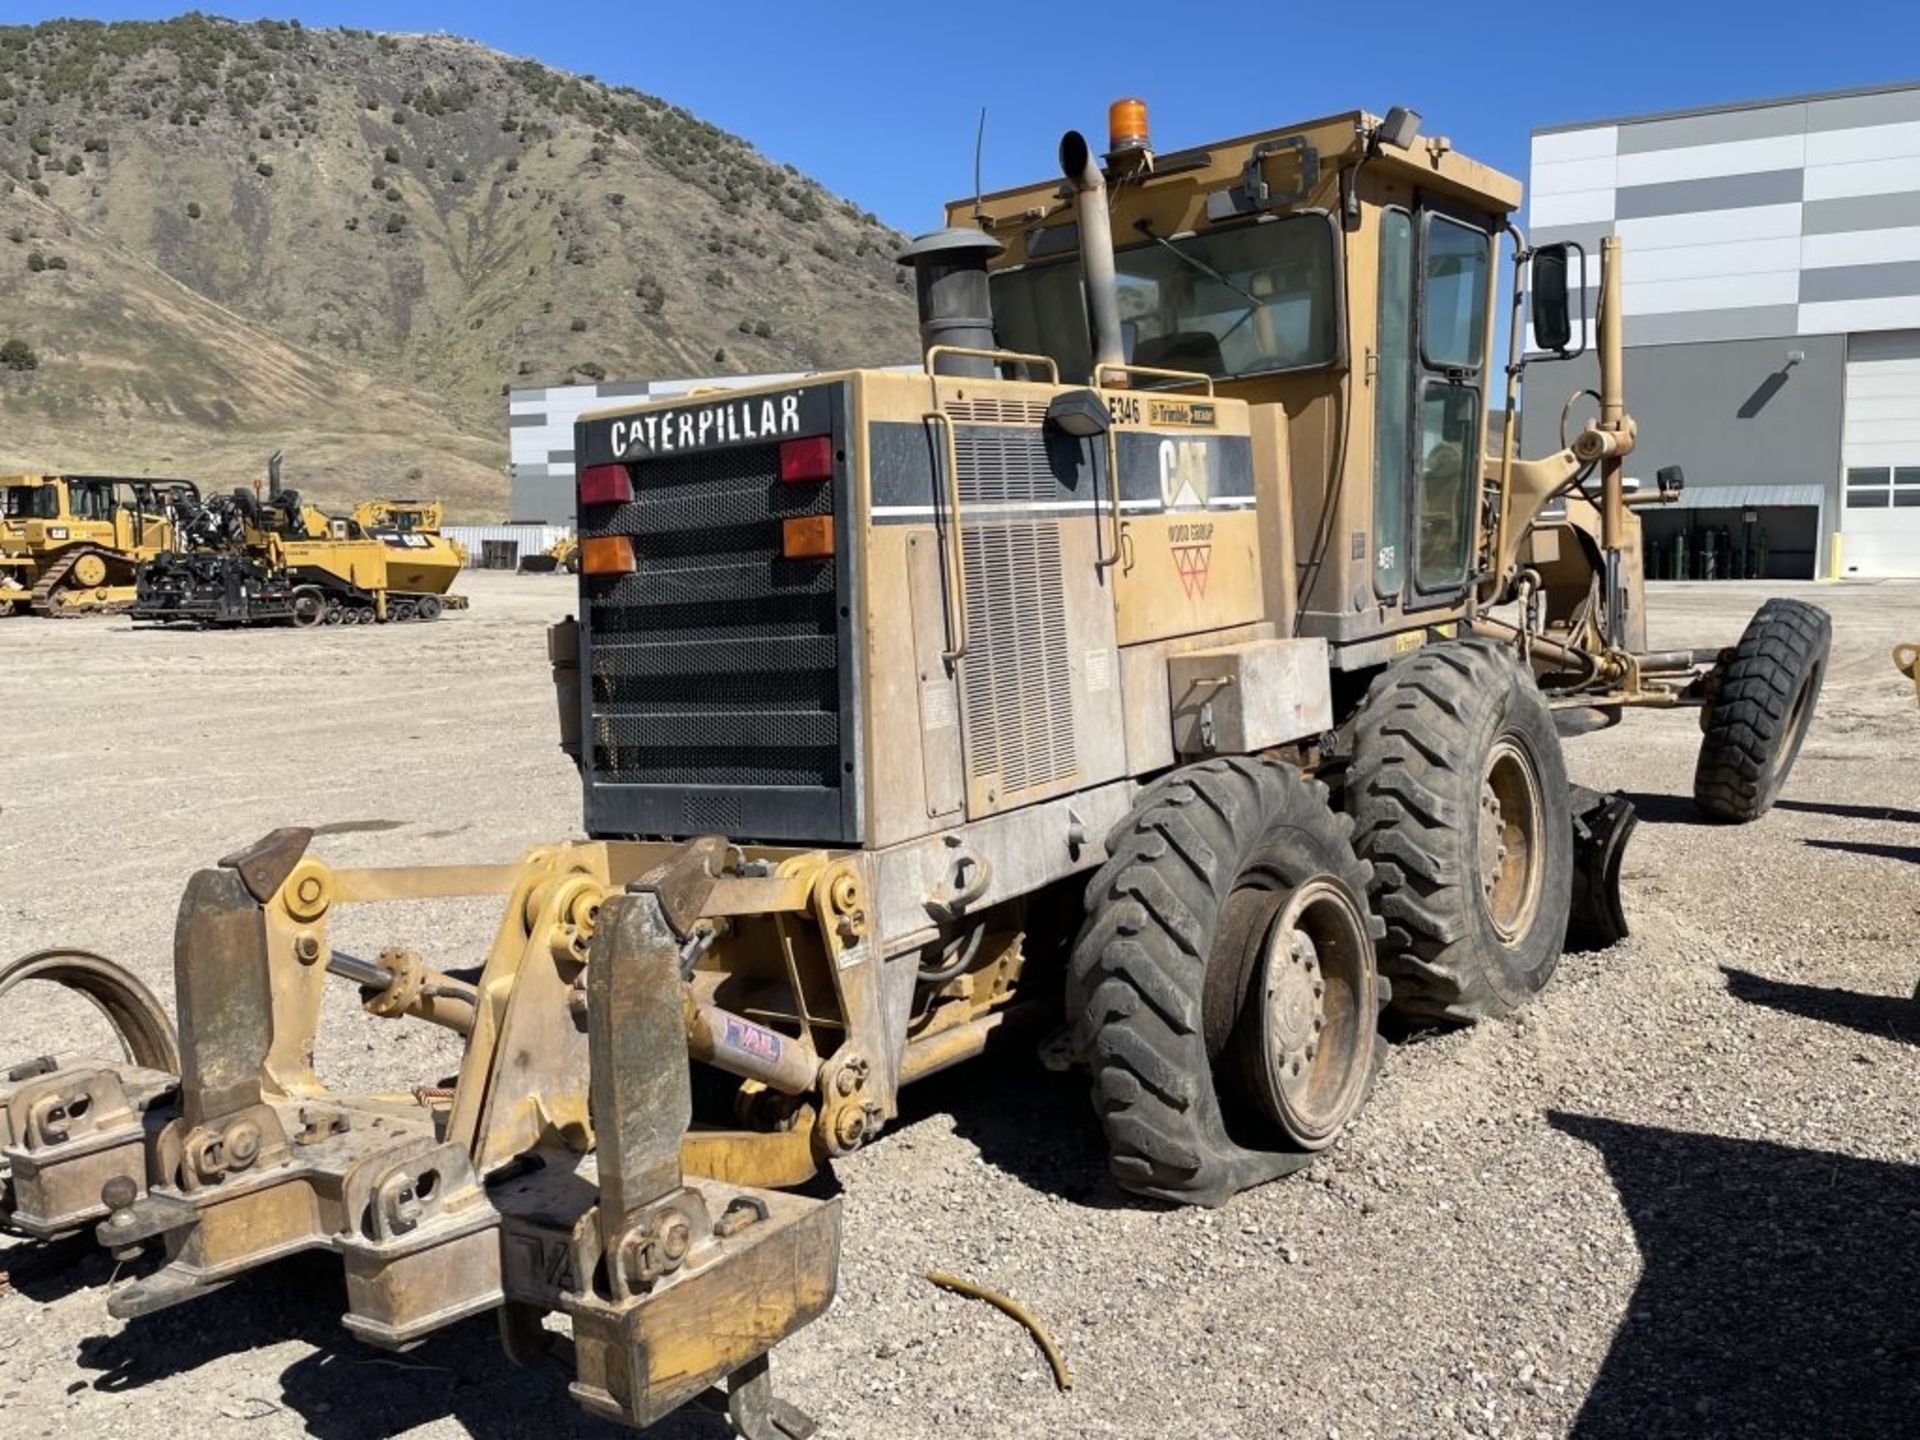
1763,709
427,607
1225,1047
1459,791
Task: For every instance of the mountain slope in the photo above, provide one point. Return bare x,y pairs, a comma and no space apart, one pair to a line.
349,243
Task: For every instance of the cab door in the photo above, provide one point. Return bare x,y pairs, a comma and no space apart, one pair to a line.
1436,268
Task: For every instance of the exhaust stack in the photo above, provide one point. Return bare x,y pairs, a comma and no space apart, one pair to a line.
956,304
1096,248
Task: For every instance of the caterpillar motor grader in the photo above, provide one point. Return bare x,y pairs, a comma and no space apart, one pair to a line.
69,544
242,560
1168,658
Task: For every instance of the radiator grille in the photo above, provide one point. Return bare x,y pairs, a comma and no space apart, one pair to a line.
998,412
716,662
1017,679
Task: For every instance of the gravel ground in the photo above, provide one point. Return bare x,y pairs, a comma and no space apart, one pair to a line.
1674,1197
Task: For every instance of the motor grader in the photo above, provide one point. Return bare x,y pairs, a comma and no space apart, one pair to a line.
69,544
1165,674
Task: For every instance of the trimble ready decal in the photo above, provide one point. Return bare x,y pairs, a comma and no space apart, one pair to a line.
1181,412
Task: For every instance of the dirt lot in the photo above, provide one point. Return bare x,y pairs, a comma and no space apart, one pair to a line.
1675,1197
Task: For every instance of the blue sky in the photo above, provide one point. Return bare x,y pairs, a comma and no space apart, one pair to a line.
878,101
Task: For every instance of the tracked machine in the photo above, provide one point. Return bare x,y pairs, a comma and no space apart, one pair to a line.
1166,673
71,544
241,560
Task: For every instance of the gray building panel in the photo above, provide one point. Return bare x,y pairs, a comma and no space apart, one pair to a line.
1861,282
1731,414
1737,106
1860,212
1845,112
1750,322
1587,236
1721,192
1717,127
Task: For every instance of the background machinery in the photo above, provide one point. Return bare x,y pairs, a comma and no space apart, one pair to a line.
1166,668
69,544
241,560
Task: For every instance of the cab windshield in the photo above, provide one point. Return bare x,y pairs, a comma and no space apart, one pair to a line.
1252,300
29,502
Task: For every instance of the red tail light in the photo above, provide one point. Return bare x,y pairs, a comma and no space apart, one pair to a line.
807,459
605,485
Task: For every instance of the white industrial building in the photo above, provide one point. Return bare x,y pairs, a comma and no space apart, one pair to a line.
1772,317
540,435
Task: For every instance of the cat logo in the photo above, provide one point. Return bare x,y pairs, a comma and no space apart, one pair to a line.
1185,473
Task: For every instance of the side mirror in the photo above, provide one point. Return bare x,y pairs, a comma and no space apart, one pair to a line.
1548,300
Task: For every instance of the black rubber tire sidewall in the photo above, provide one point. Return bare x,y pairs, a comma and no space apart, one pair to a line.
1140,975
1422,741
1768,692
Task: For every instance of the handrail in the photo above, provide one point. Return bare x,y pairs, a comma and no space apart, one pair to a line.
1187,377
1004,357
956,593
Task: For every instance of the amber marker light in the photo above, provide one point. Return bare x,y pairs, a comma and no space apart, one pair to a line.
607,555
1127,126
807,537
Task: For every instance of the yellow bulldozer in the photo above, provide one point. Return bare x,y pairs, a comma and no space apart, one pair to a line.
1167,672
244,560
70,544
563,555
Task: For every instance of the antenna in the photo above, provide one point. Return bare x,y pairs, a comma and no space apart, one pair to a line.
979,144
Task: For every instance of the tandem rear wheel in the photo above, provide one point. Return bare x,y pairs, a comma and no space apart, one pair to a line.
1459,792
1224,986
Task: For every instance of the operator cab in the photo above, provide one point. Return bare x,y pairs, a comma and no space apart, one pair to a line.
1341,269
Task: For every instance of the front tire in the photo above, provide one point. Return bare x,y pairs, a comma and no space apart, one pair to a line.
1224,985
1764,707
1459,792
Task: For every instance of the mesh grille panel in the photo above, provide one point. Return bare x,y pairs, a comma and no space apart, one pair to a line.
717,661
1018,679
998,412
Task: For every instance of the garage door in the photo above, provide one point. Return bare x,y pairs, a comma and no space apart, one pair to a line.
1880,449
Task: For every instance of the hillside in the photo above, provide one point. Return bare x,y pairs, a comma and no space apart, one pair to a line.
218,239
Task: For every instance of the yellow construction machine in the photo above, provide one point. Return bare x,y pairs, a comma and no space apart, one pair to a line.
69,544
242,560
563,554
1167,668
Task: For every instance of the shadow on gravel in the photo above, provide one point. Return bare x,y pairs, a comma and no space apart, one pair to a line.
1888,1017
343,1390
1025,1120
1910,854
49,1270
1668,809
1851,812
1777,1298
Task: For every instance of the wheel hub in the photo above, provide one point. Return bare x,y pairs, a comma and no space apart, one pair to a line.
1510,849
1295,1014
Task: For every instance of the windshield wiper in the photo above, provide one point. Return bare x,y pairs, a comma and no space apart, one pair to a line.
1145,227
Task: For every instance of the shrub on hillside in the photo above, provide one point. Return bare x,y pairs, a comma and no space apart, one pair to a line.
17,354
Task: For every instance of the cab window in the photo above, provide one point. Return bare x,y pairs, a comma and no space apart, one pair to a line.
1251,300
1453,312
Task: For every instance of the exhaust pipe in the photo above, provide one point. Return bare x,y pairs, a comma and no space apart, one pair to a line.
1096,248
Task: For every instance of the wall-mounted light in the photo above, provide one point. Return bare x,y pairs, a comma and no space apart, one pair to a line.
1794,357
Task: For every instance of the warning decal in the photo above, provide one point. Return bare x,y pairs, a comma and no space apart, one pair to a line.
1192,563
